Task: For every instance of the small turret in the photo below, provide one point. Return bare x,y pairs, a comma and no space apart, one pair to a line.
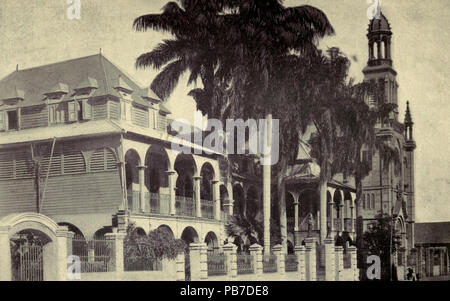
410,144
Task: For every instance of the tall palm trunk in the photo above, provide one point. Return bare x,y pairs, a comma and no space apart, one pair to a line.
267,182
323,185
281,188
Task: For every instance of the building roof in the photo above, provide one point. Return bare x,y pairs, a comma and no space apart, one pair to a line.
93,71
381,24
91,128
432,233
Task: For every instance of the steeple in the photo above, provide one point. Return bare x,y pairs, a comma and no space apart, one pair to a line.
408,124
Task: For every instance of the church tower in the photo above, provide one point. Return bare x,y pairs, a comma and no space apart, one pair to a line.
379,66
389,188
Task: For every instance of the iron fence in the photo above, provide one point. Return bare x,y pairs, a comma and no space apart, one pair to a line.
217,264
207,209
95,254
141,263
185,206
244,264
270,263
291,263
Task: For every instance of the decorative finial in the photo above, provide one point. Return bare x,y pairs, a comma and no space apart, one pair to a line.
17,67
408,119
100,51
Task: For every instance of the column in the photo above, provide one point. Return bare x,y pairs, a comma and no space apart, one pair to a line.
198,205
300,252
297,241
5,255
352,212
121,167
278,252
354,266
323,211
331,208
311,261
199,261
256,252
296,222
216,199
330,261
116,245
230,256
341,216
339,259
62,236
142,188
172,177
181,276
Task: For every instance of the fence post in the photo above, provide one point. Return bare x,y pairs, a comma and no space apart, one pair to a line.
256,252
300,252
311,262
180,267
354,267
278,252
330,263
230,256
198,258
116,245
339,255
5,255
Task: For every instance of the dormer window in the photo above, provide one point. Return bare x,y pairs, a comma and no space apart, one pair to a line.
9,120
55,114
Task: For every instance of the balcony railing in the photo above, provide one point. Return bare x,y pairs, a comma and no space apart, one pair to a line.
133,201
156,203
159,203
207,208
185,206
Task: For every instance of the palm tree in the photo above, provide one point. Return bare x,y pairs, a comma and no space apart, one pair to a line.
239,73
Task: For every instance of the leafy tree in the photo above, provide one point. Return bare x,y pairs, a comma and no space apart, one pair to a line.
383,240
158,244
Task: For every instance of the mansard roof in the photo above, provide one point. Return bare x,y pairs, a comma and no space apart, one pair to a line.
89,71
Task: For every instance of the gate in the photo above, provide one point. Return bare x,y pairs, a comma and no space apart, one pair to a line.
28,263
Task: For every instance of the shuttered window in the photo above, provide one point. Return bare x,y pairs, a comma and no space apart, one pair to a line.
111,162
87,109
73,160
72,108
2,121
6,165
23,164
103,159
56,164
15,164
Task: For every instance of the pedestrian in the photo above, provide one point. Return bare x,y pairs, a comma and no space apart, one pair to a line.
411,276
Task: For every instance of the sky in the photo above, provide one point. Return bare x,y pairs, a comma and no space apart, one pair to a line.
38,32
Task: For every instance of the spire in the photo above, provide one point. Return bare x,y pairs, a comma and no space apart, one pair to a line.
408,119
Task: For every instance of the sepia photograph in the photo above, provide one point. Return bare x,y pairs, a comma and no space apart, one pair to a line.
242,142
